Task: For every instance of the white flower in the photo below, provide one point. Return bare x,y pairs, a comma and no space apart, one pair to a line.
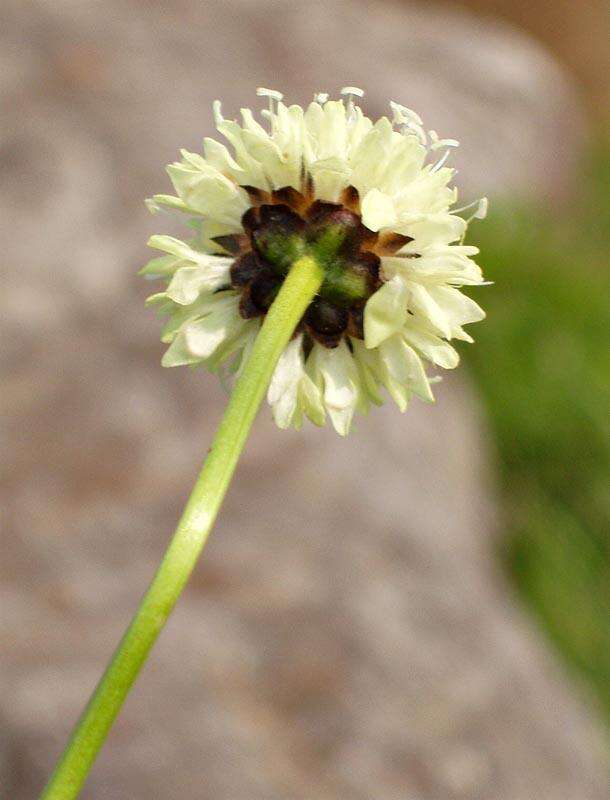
371,203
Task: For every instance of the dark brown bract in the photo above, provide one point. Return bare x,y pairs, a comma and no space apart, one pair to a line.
283,225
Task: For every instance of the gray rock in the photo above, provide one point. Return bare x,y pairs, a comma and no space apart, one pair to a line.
347,633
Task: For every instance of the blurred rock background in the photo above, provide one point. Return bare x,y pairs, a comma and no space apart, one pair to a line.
349,632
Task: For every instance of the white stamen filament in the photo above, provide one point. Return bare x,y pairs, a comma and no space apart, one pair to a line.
405,113
217,112
480,212
441,162
408,122
350,92
272,94
273,98
436,143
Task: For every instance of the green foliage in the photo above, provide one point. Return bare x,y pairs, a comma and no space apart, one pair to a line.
542,361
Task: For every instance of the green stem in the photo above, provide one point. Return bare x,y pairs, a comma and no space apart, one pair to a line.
297,291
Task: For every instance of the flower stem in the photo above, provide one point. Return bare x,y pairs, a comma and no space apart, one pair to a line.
297,291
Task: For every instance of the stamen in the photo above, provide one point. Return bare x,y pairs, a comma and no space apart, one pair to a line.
350,92
320,97
272,94
482,209
436,143
409,122
217,111
480,212
441,162
405,113
273,97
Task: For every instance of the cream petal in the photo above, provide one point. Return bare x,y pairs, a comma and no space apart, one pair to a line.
238,344
209,229
428,193
378,210
288,370
313,118
434,268
292,391
385,312
217,155
369,370
161,267
284,408
431,229
369,160
425,306
178,354
200,336
330,177
250,124
311,400
339,384
192,270
404,367
185,286
176,247
187,282
205,335
277,169
179,315
405,161
283,389
253,172
208,192
458,308
332,135
158,202
359,126
289,135
432,347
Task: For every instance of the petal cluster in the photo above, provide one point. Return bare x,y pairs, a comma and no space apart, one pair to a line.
398,172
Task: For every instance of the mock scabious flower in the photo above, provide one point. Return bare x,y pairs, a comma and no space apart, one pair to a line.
371,203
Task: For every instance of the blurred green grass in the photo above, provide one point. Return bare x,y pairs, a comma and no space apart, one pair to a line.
542,363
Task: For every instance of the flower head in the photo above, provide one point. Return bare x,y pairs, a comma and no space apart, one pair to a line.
371,203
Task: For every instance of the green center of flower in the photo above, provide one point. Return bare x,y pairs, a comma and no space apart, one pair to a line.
286,225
